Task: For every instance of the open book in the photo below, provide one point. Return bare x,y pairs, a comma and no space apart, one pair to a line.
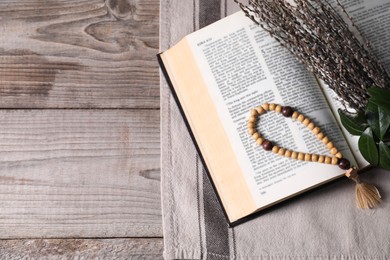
217,75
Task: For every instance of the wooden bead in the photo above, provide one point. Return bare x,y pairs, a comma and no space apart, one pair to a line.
252,131
251,125
335,160
282,151
295,115
254,112
321,159
275,149
252,119
301,156
307,157
320,136
260,110
256,135
301,118
287,154
330,145
339,155
325,140
316,130
294,155
272,106
314,158
278,108
328,160
334,151
265,106
306,122
311,126
267,145
259,141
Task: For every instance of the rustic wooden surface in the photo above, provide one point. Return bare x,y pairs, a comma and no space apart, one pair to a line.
79,173
144,248
79,54
79,129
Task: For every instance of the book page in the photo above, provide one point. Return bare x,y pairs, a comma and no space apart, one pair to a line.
372,18
215,150
243,67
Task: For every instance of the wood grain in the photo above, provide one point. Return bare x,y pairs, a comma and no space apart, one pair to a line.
79,54
79,173
82,249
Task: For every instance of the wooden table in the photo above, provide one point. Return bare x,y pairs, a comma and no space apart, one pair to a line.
79,129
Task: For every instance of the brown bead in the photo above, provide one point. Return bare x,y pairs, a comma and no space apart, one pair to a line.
330,145
267,145
301,118
314,158
301,156
256,135
339,155
252,119
275,149
307,157
344,164
278,108
272,106
334,151
288,154
287,111
252,131
282,151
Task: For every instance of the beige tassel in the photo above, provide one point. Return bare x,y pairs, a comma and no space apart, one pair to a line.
367,195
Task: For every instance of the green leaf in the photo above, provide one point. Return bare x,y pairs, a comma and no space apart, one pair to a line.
384,122
368,147
387,137
372,115
380,97
378,119
384,153
354,125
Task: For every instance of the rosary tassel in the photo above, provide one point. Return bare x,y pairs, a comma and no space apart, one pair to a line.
367,195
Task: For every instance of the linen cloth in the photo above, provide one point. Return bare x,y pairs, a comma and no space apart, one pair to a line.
322,225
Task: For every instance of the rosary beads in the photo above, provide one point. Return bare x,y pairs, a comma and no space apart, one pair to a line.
367,196
336,159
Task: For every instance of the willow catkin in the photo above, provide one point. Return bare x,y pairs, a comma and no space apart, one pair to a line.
320,39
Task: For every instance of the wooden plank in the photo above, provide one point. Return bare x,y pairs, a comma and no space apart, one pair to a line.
130,248
79,173
79,54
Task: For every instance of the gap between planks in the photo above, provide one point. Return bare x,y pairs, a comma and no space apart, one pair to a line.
119,248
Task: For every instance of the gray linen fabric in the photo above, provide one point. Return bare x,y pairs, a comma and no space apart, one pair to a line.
322,225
